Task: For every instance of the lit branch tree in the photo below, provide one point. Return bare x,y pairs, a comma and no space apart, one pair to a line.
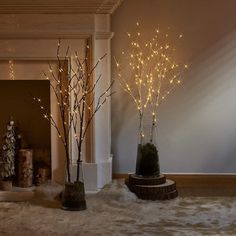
75,97
149,77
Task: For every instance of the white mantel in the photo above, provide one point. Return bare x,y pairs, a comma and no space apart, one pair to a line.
29,30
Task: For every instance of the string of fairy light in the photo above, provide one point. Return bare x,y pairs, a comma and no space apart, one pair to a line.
154,74
11,70
63,101
75,98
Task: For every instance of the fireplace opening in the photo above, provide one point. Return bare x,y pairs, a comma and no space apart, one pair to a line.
16,102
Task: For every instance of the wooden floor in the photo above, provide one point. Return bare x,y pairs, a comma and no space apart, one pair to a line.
206,192
205,185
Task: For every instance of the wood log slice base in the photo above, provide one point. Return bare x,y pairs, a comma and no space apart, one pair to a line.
164,191
140,180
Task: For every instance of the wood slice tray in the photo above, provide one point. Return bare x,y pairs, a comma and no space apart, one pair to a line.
147,191
139,180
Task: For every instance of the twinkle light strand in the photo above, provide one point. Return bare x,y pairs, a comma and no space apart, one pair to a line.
11,70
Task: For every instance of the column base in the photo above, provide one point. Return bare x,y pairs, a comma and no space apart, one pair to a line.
96,175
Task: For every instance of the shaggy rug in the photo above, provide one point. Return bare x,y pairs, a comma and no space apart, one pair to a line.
116,211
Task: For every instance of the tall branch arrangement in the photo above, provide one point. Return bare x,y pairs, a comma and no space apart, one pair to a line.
150,76
74,90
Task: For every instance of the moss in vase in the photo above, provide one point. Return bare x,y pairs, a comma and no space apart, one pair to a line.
147,160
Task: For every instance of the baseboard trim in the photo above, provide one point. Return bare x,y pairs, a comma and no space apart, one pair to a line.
196,180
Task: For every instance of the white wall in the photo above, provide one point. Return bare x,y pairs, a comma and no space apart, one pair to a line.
197,124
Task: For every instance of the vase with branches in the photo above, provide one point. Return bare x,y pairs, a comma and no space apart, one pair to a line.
74,90
150,75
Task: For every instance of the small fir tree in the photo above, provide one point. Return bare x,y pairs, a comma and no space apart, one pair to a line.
8,152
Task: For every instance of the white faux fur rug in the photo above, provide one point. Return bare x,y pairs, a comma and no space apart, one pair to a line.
116,211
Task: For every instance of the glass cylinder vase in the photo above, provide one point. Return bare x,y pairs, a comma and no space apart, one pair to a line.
147,162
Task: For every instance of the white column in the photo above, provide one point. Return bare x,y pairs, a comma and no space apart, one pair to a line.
99,173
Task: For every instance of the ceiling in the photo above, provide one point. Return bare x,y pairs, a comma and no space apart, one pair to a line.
58,6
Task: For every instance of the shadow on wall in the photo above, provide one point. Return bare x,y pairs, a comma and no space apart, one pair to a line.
124,131
197,124
197,129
